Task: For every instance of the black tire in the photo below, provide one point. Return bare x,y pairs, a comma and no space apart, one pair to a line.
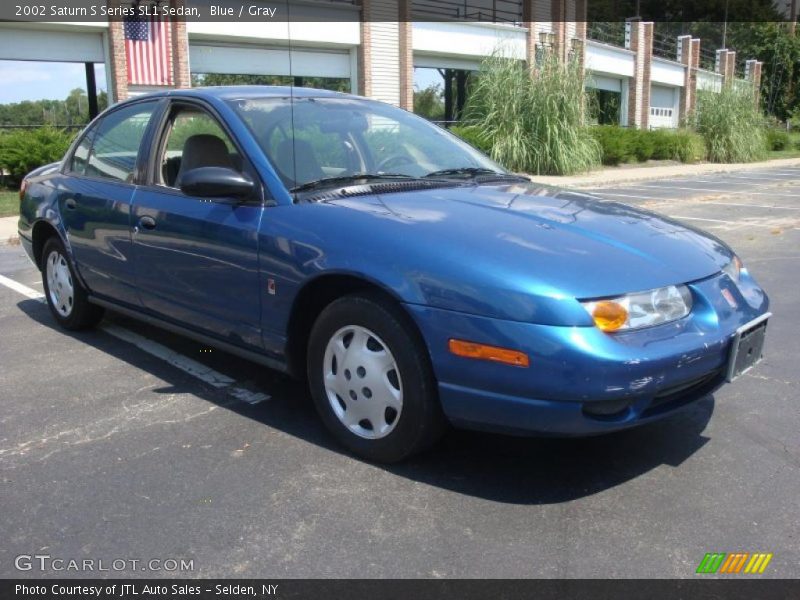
420,422
83,314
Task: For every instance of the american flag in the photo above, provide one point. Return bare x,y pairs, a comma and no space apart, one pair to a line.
147,49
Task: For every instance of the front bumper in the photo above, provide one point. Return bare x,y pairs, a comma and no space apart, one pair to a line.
582,381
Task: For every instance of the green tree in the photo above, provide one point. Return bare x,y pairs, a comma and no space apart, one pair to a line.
429,102
336,84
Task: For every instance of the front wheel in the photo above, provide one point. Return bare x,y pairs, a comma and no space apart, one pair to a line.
371,379
65,295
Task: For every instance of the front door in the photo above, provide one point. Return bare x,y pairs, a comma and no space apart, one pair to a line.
197,258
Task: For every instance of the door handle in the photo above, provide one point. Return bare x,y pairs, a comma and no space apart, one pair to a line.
147,222
70,204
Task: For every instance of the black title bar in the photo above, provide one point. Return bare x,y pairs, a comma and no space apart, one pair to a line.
509,12
699,588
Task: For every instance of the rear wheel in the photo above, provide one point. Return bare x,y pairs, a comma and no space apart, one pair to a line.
371,379
65,295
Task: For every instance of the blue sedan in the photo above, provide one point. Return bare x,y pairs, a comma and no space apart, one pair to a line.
414,282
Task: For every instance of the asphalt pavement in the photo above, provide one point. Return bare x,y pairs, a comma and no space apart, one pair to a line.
131,444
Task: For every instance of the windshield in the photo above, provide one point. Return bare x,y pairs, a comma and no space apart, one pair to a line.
347,137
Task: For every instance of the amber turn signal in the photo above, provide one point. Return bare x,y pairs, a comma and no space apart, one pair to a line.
492,353
609,316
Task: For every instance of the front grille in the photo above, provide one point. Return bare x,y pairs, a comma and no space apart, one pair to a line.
685,392
667,399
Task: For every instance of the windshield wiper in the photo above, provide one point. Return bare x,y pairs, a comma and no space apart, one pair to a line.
312,185
470,171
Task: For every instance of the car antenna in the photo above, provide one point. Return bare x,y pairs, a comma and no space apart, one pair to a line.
291,90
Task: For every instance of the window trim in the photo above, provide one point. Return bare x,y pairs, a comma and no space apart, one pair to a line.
87,133
94,126
160,132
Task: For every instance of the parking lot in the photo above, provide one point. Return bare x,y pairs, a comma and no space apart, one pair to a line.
131,443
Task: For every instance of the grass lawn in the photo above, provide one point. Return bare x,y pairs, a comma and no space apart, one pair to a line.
9,203
792,151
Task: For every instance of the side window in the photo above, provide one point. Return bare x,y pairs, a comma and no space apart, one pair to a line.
116,144
194,139
80,158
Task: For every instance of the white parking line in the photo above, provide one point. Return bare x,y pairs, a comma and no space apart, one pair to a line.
742,223
177,360
22,289
601,194
711,191
715,203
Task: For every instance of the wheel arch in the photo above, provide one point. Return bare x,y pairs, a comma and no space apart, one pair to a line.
317,294
41,232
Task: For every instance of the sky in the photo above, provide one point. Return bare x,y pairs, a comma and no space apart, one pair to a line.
27,80
423,77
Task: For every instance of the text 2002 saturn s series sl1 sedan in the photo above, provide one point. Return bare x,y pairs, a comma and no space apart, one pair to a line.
410,278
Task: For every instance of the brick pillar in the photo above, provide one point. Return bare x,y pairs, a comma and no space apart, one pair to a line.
180,50
641,42
530,36
559,18
726,65
730,67
689,55
580,29
387,67
364,53
118,62
754,76
406,56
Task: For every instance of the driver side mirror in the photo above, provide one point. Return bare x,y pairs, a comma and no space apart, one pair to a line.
217,182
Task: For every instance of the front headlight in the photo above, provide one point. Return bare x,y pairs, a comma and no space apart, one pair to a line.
641,309
734,269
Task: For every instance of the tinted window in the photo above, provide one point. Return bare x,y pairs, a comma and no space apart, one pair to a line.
195,139
116,144
80,157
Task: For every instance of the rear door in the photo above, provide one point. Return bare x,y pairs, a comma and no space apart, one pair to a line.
197,258
95,201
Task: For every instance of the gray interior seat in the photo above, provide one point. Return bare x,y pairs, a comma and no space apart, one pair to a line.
203,150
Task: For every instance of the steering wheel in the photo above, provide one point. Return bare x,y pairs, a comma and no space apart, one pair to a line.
396,159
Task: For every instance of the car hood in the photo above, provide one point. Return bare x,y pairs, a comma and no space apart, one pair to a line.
524,239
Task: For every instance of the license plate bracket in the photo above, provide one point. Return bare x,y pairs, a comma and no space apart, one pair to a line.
747,346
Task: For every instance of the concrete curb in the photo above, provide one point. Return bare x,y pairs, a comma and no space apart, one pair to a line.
8,231
615,176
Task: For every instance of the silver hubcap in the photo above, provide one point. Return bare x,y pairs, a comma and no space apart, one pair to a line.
59,284
362,382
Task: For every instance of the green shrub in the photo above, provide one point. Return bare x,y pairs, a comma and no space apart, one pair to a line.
688,146
533,122
620,145
731,125
664,144
22,151
616,143
777,139
643,143
473,136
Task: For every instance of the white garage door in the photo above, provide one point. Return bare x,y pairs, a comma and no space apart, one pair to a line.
244,60
602,82
22,43
663,106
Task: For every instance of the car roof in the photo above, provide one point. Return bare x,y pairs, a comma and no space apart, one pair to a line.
232,92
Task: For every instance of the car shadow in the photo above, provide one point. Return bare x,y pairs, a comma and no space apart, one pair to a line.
516,470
